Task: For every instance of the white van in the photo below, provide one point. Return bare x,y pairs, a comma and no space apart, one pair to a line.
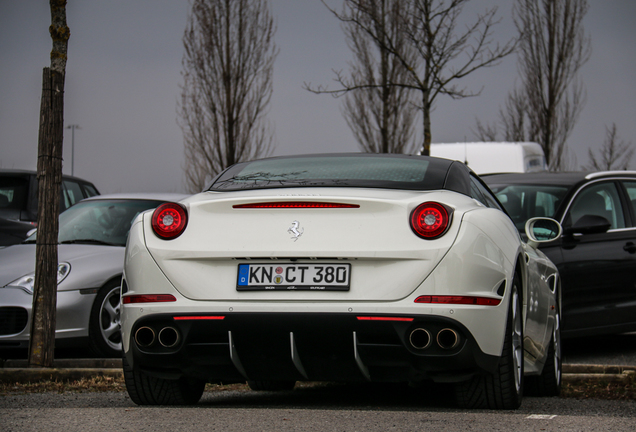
494,157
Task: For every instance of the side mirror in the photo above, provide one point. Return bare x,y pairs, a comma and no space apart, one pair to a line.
590,224
542,230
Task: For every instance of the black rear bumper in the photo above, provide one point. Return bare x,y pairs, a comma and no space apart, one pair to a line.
305,347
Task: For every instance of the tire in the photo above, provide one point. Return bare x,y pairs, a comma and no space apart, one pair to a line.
104,325
504,388
267,385
549,382
144,389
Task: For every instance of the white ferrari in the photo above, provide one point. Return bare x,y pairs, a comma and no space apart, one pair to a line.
340,267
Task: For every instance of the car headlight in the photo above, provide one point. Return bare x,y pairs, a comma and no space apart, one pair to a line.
27,282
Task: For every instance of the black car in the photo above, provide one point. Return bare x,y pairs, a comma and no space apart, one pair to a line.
19,200
13,232
596,255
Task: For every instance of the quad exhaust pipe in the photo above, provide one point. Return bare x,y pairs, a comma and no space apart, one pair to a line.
146,337
421,338
168,337
447,339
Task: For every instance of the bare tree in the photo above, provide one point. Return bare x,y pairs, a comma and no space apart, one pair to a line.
50,140
553,47
615,154
380,114
444,55
512,119
227,71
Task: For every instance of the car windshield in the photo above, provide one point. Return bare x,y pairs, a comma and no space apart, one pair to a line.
100,221
13,196
523,202
381,171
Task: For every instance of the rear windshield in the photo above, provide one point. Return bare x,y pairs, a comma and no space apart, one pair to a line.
379,171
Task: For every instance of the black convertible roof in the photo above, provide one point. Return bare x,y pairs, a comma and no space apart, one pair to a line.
370,170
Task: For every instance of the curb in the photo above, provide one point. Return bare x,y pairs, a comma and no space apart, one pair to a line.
33,375
604,373
17,371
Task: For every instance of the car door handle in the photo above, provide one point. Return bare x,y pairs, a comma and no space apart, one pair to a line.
630,247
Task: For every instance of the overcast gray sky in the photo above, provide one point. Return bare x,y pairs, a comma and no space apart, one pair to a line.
124,71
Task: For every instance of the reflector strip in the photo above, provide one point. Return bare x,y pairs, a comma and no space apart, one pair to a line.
182,318
295,204
465,300
149,298
380,318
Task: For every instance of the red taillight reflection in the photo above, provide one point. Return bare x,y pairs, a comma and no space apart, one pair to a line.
169,220
148,298
430,220
294,204
198,318
462,300
383,318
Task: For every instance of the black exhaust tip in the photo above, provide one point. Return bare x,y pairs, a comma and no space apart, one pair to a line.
145,336
420,338
168,337
447,339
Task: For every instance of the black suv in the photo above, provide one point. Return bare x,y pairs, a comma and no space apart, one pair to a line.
19,200
596,255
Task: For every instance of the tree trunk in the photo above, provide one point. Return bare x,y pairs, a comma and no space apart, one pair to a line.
42,342
426,120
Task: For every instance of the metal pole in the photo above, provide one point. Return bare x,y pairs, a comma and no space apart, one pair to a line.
72,128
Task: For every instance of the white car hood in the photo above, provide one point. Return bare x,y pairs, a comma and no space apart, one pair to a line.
91,265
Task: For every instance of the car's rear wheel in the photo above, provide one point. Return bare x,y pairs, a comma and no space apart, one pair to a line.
104,328
268,385
144,389
549,382
504,388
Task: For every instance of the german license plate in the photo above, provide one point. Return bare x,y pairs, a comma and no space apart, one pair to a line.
290,277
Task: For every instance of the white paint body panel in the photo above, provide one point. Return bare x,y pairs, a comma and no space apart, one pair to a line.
391,266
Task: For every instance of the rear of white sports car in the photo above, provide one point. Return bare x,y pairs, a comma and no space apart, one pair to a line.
318,282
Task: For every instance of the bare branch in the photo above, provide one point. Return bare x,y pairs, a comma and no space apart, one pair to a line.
615,154
427,45
552,49
227,86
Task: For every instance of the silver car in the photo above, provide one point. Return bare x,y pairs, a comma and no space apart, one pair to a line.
92,240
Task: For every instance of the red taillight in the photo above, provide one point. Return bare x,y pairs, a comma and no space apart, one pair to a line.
169,220
430,220
148,298
294,204
463,300
383,318
198,317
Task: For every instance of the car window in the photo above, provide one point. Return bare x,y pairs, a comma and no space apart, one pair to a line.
523,202
479,192
631,190
356,170
72,193
89,190
600,199
13,192
100,221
